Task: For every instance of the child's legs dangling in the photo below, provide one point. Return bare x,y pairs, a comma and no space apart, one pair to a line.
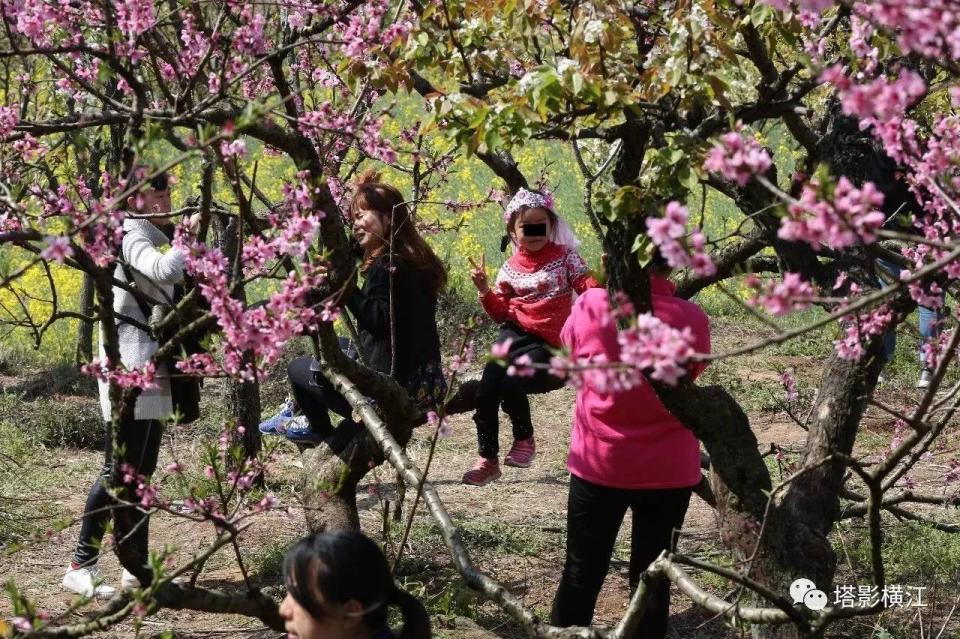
487,415
517,407
487,468
490,393
496,388
515,389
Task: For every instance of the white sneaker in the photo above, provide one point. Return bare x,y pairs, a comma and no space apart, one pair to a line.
128,581
87,581
926,375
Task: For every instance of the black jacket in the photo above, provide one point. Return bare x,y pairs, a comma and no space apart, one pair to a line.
416,319
899,203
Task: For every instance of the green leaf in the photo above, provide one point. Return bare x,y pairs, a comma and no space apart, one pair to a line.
627,200
688,178
479,118
492,139
760,13
577,81
643,247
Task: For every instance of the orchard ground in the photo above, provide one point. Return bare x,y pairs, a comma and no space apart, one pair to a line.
513,528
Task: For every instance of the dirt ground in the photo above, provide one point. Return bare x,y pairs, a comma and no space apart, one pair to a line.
513,527
530,501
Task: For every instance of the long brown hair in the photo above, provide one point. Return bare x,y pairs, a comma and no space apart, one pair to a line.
370,194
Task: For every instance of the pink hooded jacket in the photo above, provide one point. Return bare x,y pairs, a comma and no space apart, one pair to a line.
629,439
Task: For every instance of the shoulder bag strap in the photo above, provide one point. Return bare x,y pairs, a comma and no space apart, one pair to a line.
128,273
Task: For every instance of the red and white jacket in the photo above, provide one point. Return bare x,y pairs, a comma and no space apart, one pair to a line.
534,290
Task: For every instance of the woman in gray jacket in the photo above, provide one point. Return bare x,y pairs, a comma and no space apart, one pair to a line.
154,273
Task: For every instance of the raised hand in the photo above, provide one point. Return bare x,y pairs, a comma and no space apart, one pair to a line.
479,274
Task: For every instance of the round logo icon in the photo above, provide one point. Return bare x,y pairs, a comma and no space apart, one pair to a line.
815,599
799,588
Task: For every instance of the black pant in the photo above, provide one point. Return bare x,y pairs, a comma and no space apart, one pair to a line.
497,388
138,444
594,516
315,395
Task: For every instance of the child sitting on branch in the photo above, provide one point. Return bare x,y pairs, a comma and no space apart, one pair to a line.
531,299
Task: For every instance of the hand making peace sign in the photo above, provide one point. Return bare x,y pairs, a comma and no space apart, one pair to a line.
479,274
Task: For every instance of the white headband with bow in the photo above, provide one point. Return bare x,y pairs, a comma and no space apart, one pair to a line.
524,198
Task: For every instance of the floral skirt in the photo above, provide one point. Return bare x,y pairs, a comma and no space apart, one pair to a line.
427,386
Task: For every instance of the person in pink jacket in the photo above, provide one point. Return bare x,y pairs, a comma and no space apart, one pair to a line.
626,451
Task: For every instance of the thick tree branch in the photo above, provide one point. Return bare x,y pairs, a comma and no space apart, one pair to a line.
716,605
451,535
732,259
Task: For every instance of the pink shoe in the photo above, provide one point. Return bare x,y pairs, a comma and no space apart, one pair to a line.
521,453
484,472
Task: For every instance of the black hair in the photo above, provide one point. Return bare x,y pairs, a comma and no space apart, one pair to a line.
512,222
658,262
344,566
881,169
160,181
858,156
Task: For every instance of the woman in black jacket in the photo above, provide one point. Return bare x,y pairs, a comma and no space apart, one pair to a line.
392,249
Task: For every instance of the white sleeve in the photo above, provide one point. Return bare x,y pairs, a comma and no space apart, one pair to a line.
143,257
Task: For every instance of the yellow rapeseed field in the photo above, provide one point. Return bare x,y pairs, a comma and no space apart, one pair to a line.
471,232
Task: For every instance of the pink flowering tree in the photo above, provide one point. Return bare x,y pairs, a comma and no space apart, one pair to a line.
658,102
664,102
98,97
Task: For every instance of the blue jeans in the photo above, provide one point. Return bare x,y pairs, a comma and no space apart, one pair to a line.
930,321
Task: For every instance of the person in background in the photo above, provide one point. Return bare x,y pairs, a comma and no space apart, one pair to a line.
626,451
138,440
531,299
381,221
899,204
339,586
859,157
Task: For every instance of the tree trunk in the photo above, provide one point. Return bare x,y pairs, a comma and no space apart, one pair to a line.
331,473
84,352
243,404
333,469
797,542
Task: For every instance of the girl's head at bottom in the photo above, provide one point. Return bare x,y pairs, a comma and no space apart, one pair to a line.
339,586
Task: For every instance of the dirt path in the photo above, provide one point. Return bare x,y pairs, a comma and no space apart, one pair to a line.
514,528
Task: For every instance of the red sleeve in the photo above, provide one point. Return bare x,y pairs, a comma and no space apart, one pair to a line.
702,338
495,305
585,282
567,333
579,272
